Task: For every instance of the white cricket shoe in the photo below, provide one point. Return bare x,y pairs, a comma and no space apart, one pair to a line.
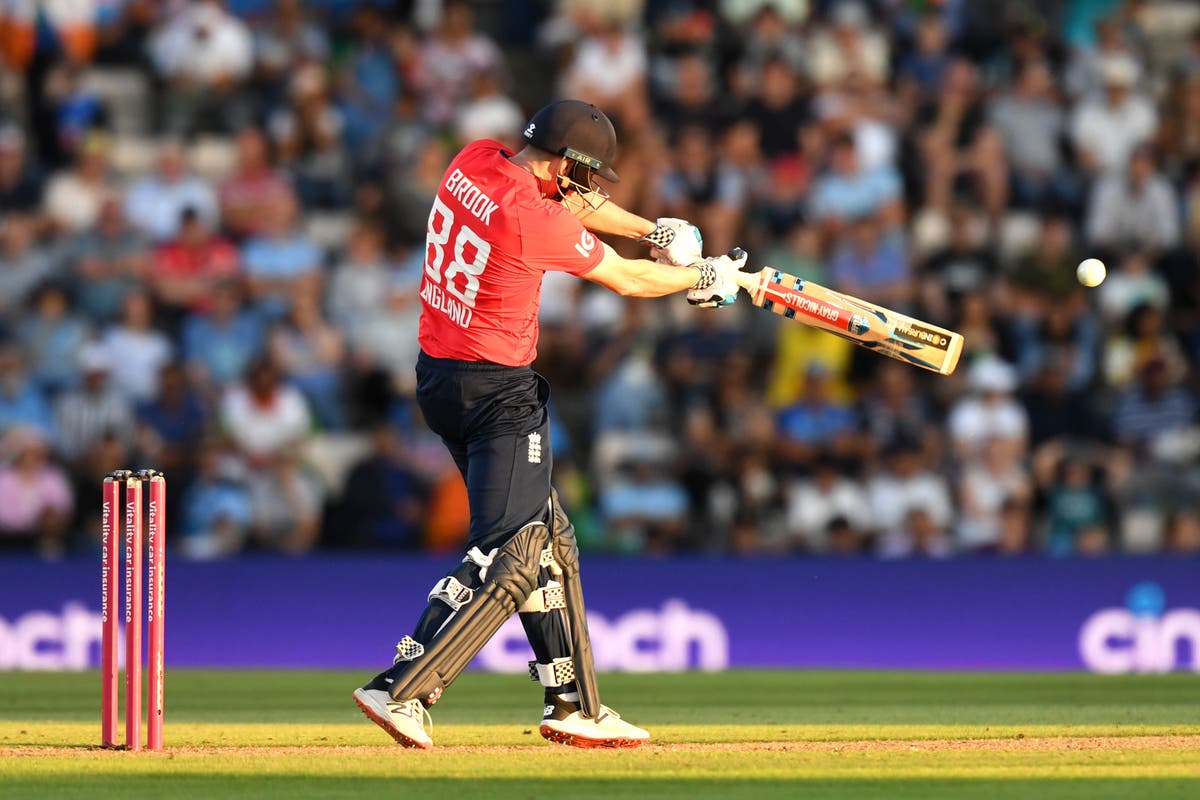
403,721
563,723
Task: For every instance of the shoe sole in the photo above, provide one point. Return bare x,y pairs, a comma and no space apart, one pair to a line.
574,740
382,722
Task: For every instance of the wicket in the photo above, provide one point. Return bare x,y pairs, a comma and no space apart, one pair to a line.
135,537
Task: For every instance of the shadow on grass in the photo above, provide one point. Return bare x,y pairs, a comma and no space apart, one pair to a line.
191,785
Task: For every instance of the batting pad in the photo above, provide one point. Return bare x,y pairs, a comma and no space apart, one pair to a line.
507,581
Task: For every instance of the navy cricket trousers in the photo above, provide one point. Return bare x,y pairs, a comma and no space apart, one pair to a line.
494,421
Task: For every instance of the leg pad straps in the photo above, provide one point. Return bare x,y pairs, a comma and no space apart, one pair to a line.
508,578
558,672
547,598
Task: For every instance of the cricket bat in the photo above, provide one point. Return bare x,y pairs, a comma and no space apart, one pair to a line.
885,331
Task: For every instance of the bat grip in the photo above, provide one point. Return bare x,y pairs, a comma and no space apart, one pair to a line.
745,277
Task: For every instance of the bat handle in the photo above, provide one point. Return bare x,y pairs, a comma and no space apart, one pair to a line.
745,277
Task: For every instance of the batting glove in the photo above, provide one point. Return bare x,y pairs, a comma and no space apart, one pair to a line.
717,285
679,242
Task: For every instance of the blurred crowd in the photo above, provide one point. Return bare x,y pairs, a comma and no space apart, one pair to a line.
212,222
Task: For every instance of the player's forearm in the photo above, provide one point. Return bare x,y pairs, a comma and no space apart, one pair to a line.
644,278
611,219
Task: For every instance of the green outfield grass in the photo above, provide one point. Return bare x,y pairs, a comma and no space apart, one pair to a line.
741,734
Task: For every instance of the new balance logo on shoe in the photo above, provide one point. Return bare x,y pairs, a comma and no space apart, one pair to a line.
535,448
549,710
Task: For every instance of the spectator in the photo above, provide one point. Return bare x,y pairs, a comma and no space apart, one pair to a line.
20,183
772,36
1183,532
814,505
285,503
609,70
172,424
848,192
359,285
309,351
1047,274
989,411
187,269
1179,135
962,156
74,197
1137,208
386,337
24,265
692,97
402,140
895,410
632,399
489,113
1032,124
1086,73
140,351
256,191
965,266
21,402
849,46
451,56
287,39
265,417
1070,339
384,498
778,111
817,423
996,479
71,113
220,343
919,536
1077,510
307,133
281,263
906,483
52,337
921,71
645,508
1154,407
1145,338
96,411
379,64
1131,284
1056,411
216,512
203,52
872,263
1106,130
699,187
1015,525
155,204
410,194
35,497
106,263
844,539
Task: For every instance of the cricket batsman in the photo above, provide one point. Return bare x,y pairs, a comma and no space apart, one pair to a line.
499,221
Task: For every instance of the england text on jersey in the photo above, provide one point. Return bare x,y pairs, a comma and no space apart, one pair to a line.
472,199
459,313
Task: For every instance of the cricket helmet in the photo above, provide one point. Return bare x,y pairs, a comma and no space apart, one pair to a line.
579,131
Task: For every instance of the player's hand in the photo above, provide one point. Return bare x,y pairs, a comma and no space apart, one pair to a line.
722,289
675,241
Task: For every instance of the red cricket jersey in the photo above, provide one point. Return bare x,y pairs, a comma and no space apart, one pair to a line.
490,238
